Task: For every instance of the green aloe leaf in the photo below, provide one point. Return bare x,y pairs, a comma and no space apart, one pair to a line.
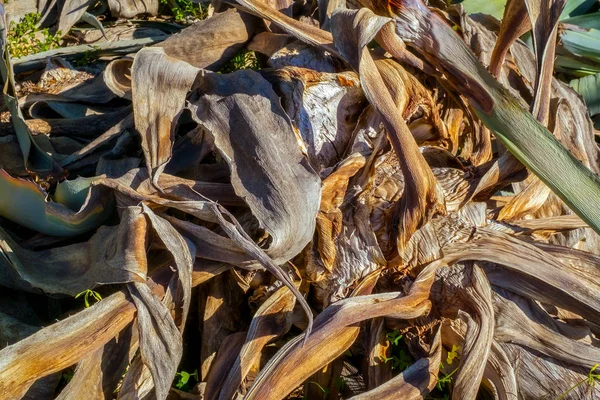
587,21
573,8
583,43
589,88
23,202
576,7
575,65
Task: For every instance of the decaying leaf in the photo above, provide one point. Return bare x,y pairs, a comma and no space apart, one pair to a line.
287,200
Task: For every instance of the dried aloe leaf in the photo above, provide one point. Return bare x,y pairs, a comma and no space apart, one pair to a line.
212,246
524,259
270,321
305,32
378,372
59,346
112,255
104,138
117,77
517,323
268,43
303,55
330,217
526,202
334,331
479,336
524,137
210,43
222,316
137,382
131,8
499,374
182,251
72,127
161,345
97,375
159,88
539,376
226,358
419,197
325,380
544,17
267,168
204,210
325,131
515,23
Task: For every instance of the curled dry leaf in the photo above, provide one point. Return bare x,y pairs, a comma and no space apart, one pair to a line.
113,255
374,201
267,168
132,8
498,109
158,102
419,197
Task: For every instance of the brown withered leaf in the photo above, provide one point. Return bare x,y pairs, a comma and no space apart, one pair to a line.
272,319
303,31
378,372
113,255
131,8
57,346
159,87
515,24
527,201
221,317
509,253
210,43
522,321
352,32
267,168
98,374
161,346
334,331
227,356
479,336
544,16
325,131
329,218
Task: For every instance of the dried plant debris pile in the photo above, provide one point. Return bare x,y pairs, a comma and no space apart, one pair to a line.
286,200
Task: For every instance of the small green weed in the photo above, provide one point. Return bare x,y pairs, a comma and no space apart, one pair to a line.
591,379
444,380
183,380
89,294
321,388
186,8
394,337
85,59
400,358
24,38
242,60
66,376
